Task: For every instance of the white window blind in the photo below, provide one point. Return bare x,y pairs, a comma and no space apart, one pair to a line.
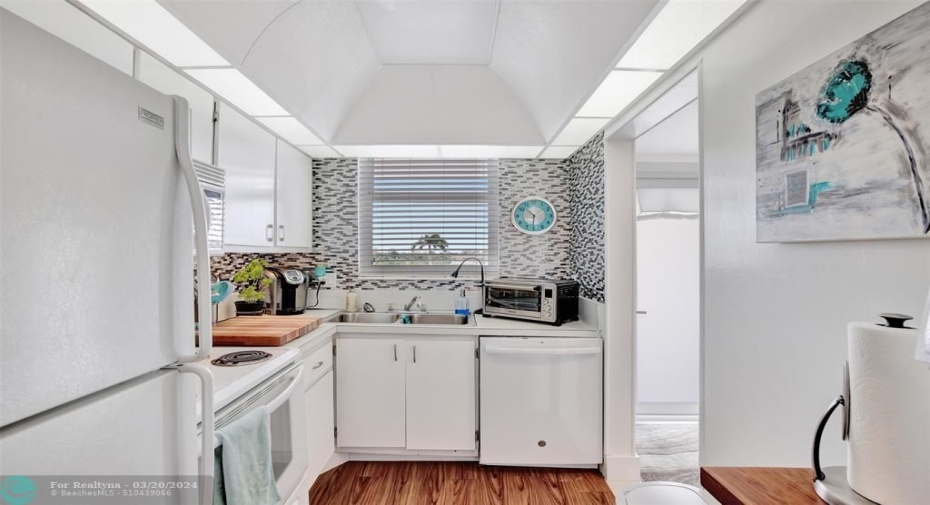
421,218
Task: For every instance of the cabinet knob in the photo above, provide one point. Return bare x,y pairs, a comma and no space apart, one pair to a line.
269,230
281,233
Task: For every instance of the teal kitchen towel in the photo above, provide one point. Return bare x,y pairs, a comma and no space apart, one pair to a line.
244,462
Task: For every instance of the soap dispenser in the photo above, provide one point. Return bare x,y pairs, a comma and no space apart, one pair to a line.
461,305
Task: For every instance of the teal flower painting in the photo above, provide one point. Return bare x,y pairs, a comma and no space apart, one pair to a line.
841,151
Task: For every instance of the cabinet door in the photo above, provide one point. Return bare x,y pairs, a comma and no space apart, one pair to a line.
294,187
157,75
370,393
247,152
441,395
320,422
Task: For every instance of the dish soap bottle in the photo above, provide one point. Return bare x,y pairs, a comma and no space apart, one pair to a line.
461,305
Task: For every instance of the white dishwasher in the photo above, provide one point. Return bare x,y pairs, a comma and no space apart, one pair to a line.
541,401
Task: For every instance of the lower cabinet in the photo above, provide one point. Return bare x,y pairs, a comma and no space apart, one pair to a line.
318,400
414,393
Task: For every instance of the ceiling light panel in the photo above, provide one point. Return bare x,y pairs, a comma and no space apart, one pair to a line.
319,151
558,152
579,130
389,151
617,91
153,26
238,90
291,130
485,151
678,28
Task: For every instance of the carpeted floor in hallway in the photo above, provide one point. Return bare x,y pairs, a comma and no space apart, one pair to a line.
668,451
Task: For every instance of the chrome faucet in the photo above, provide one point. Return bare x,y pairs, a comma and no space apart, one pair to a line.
415,302
455,275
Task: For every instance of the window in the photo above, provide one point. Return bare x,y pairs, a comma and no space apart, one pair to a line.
421,218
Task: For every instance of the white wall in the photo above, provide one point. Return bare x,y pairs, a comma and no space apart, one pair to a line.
668,334
775,314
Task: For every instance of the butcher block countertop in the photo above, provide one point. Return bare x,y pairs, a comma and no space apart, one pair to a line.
760,486
263,331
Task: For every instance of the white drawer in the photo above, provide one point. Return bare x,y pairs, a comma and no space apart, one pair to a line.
317,363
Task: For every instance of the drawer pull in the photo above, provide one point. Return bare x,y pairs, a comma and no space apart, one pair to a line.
318,365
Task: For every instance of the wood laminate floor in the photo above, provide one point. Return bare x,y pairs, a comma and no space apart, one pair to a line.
448,483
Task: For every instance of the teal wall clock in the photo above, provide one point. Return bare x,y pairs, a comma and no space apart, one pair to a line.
534,215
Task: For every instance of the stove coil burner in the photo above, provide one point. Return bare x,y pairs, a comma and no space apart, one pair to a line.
240,358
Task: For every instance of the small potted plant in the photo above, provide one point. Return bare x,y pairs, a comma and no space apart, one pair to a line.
252,282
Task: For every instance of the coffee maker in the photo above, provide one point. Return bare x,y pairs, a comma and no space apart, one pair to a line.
287,293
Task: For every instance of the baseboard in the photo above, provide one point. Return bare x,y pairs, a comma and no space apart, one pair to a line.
408,457
334,461
621,468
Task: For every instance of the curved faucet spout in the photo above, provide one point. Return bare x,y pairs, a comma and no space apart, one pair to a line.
455,274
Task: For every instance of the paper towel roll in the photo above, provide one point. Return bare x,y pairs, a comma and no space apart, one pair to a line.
889,432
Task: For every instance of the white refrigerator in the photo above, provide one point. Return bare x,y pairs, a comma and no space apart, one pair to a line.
97,241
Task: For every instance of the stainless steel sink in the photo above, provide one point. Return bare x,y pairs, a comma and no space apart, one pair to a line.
438,319
397,318
363,317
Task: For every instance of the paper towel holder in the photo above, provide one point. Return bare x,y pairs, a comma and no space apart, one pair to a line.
895,320
830,483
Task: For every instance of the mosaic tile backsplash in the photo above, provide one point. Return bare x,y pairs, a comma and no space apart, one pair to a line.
586,199
335,226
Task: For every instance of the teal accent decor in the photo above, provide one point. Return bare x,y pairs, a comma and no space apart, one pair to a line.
533,216
17,490
846,92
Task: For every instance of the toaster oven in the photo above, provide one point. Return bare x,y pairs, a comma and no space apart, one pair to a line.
542,300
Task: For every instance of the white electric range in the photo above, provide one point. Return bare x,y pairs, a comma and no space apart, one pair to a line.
246,379
231,382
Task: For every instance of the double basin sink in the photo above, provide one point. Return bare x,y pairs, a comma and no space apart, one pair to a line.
392,318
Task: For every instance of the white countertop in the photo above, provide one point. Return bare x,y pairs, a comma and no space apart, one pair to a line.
478,326
232,382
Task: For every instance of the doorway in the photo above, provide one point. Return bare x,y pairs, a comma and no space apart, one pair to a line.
668,293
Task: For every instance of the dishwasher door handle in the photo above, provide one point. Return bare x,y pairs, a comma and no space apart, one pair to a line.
564,351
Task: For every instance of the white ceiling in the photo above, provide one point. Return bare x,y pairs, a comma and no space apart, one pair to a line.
422,72
674,139
431,33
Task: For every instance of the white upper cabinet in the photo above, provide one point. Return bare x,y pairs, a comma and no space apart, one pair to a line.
294,187
76,28
164,79
247,152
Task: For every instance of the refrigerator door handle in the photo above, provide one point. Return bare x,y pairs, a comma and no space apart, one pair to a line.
199,208
545,351
206,426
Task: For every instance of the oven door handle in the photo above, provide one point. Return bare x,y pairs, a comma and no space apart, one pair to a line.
277,402
515,287
565,351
